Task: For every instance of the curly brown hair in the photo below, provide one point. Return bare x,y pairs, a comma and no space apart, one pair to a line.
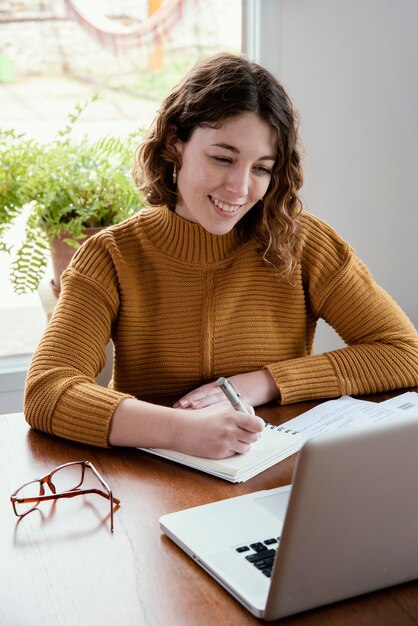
215,89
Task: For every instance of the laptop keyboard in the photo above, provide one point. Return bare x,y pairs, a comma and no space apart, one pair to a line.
261,554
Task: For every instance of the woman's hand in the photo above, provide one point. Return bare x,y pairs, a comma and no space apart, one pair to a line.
255,388
214,429
217,431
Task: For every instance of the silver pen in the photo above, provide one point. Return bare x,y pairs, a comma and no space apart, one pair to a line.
232,394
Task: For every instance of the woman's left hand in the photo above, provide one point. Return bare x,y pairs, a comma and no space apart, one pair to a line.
255,388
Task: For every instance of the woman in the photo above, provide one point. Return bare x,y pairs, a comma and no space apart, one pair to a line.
223,275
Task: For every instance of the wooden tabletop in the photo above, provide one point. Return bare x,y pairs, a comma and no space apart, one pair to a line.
61,566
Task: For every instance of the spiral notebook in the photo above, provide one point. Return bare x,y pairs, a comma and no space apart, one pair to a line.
275,444
278,442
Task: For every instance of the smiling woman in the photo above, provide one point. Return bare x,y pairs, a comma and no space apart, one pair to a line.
222,275
229,112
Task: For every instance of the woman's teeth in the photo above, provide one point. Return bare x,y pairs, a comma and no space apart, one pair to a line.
229,208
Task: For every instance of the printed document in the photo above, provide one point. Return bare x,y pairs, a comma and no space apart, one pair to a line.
346,412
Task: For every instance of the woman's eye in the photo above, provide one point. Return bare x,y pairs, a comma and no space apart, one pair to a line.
222,159
260,169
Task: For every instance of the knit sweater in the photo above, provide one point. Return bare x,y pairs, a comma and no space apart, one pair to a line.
183,307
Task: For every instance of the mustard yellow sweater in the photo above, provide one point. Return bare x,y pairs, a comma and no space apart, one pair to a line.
183,307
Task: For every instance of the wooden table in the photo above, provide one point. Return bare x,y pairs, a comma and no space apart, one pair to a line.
61,565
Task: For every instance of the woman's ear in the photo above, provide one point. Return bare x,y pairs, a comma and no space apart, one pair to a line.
172,143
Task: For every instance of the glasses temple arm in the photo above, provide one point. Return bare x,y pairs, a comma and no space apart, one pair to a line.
66,494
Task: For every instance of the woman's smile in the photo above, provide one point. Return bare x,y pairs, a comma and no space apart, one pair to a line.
226,209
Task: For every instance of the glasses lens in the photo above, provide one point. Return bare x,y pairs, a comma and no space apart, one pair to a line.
68,477
30,490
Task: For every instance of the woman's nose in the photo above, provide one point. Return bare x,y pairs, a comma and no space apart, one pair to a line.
237,182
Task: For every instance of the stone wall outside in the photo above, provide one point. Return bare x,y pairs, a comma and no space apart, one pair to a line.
52,44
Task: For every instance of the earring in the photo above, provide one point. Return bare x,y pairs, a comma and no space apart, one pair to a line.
175,174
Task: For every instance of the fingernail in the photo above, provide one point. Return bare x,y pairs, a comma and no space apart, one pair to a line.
184,403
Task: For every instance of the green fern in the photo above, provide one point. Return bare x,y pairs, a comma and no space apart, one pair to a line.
29,265
66,186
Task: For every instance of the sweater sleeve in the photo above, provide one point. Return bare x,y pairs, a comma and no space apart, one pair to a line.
62,396
381,350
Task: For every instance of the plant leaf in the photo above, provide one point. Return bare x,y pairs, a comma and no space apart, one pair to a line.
30,263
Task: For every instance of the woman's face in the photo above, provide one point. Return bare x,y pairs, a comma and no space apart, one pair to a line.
224,171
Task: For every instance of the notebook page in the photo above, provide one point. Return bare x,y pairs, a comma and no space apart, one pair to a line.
272,444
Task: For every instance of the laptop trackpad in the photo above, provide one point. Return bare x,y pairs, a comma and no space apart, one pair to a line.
275,503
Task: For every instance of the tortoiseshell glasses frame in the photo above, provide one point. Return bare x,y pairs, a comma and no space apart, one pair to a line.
66,472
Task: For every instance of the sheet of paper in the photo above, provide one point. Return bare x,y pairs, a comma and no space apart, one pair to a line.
341,414
406,403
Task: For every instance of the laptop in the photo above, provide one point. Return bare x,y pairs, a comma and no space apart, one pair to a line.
347,525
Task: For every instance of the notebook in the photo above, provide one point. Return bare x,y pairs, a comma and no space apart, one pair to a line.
347,525
279,442
275,444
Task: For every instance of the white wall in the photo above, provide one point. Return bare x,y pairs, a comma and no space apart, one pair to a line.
351,68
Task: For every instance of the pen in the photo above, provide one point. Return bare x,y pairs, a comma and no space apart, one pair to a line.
232,395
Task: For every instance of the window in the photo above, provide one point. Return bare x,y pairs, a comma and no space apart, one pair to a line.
130,52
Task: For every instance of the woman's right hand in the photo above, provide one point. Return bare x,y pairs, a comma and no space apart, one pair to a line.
217,431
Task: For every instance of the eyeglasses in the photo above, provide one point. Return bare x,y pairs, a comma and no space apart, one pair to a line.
64,482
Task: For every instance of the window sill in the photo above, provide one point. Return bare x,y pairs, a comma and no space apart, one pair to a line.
13,370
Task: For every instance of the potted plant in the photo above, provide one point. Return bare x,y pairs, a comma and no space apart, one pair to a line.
61,190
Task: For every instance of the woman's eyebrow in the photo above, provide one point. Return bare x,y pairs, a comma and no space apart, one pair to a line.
235,150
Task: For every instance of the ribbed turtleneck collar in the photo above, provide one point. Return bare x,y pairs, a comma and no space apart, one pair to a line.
185,240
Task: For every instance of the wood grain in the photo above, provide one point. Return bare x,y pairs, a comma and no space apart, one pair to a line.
61,565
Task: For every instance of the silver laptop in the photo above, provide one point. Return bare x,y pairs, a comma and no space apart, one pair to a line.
347,525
